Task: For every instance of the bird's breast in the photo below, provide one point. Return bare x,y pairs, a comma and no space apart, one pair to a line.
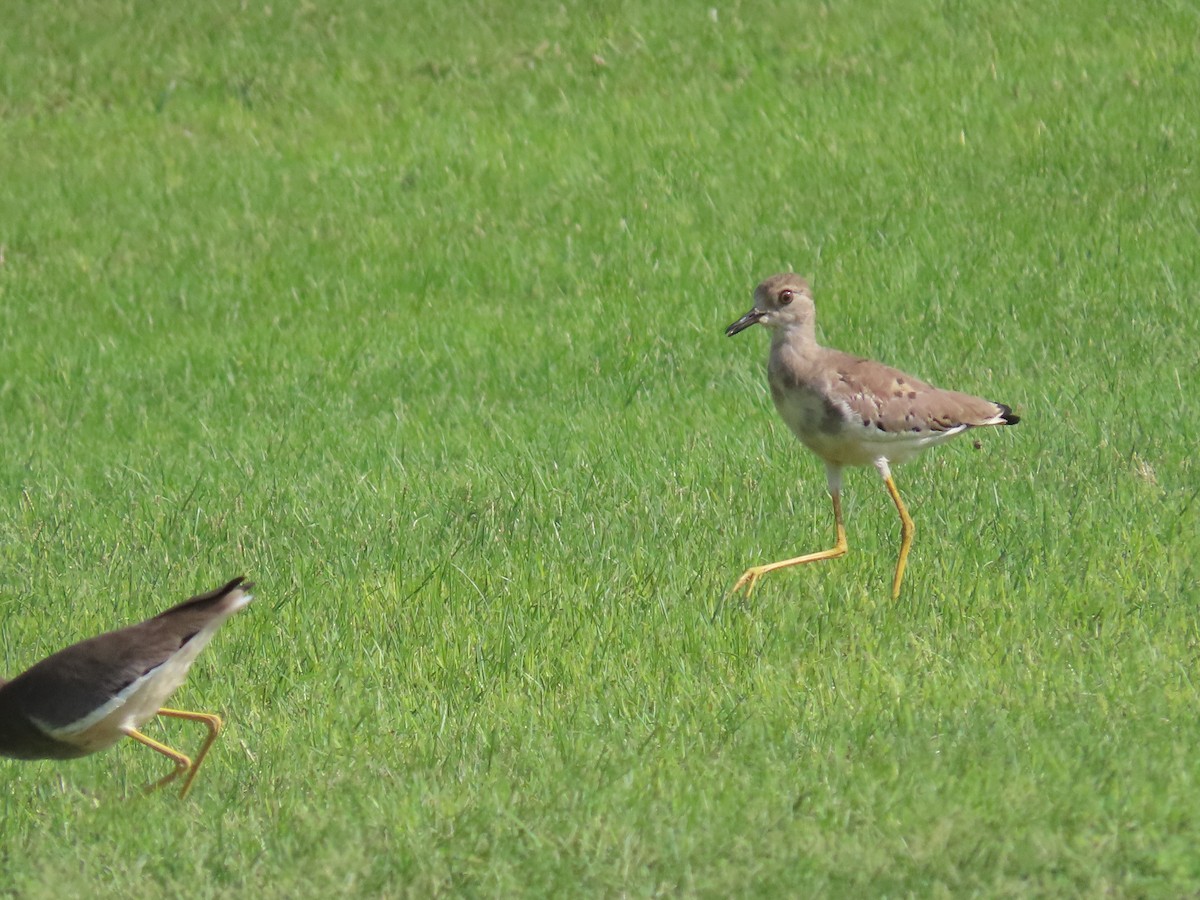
806,411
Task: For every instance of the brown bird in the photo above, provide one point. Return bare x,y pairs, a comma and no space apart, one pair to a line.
90,695
851,411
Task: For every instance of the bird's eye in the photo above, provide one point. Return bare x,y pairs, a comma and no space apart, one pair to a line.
785,297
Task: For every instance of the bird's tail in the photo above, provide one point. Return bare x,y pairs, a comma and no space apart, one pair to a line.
222,602
1006,416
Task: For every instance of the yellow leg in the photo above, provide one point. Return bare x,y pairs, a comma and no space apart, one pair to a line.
182,763
906,535
214,728
750,576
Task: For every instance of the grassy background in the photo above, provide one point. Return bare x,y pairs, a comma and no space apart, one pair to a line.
415,317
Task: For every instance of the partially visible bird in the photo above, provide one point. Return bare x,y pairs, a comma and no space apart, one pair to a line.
88,696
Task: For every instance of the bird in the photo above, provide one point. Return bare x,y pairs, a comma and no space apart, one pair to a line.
90,695
851,411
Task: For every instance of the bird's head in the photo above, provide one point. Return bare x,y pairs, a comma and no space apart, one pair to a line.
781,301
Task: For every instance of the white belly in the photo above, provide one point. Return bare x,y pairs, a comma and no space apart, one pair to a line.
834,433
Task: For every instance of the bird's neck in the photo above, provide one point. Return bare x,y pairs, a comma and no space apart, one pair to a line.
800,337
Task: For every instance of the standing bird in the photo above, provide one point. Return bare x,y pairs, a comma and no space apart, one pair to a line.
851,411
90,695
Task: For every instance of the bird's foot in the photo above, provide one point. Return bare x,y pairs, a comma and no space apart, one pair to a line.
749,579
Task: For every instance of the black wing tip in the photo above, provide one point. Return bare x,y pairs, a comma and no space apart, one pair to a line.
212,597
239,582
1006,413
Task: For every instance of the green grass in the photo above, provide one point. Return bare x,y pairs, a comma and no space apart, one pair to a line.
415,317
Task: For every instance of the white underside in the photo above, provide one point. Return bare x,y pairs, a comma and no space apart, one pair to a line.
855,445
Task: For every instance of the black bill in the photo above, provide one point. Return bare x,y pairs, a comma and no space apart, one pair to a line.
744,322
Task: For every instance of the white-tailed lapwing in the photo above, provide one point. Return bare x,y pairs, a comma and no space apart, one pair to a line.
851,411
90,695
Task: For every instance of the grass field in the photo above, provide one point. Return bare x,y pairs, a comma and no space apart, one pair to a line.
413,314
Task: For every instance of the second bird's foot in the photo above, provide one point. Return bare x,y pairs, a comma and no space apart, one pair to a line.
749,579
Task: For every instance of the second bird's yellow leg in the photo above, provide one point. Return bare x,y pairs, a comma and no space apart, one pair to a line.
750,576
214,728
906,535
182,763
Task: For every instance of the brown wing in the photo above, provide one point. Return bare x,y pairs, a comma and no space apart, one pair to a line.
897,402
